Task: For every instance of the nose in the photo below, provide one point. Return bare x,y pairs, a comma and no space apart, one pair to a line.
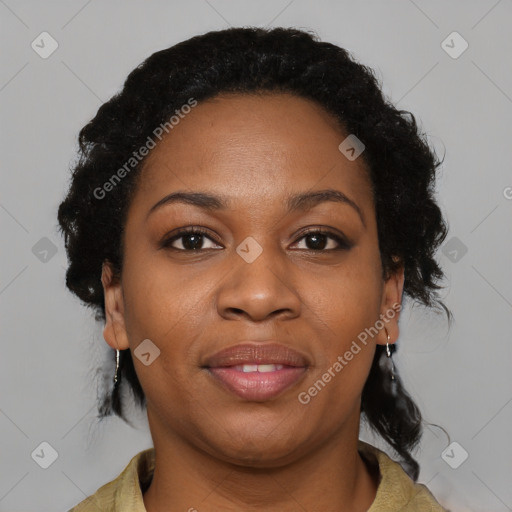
258,290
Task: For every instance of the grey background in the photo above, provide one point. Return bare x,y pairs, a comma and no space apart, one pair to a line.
51,346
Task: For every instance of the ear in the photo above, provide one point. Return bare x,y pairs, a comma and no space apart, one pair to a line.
114,331
391,306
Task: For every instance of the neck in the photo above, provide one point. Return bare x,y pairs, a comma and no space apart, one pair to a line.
331,477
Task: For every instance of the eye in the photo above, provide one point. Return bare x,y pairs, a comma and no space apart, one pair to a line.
321,240
193,239
190,239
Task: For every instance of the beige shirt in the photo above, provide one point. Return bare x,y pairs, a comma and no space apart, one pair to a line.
396,491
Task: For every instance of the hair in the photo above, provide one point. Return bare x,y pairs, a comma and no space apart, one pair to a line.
402,169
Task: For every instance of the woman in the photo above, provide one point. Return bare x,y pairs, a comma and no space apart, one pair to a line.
246,217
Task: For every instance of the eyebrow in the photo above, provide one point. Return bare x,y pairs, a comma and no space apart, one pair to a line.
304,201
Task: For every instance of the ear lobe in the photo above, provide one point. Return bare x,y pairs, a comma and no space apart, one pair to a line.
391,307
114,331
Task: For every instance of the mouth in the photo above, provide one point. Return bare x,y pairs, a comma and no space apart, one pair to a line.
257,372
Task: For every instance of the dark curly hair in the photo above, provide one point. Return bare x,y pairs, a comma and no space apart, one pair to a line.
401,164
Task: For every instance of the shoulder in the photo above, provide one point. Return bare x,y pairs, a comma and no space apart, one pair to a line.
125,492
396,490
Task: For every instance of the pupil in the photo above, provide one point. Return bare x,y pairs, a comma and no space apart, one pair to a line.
318,241
195,244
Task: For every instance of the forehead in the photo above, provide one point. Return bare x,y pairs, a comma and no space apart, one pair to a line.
253,147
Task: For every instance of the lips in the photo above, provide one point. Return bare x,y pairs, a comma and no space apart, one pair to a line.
257,372
256,353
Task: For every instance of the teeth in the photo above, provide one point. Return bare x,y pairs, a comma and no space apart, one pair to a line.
267,368
262,368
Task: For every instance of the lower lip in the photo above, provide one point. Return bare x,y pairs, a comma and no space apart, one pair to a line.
258,386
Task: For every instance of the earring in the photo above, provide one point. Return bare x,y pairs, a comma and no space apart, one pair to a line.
388,354
117,368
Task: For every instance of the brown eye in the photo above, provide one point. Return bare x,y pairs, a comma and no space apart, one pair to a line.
192,239
324,241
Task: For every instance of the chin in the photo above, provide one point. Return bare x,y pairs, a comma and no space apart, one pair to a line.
253,449
257,458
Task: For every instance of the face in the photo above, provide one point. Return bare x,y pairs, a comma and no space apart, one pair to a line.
284,276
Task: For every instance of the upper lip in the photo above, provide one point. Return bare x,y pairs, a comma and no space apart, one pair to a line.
256,353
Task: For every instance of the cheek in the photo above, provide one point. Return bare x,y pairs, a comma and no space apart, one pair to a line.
347,298
344,307
161,299
167,306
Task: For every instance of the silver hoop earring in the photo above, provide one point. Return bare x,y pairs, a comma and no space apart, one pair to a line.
117,368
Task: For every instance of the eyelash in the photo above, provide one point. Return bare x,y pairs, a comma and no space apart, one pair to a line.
343,244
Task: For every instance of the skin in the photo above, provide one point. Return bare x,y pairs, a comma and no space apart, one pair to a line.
214,450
